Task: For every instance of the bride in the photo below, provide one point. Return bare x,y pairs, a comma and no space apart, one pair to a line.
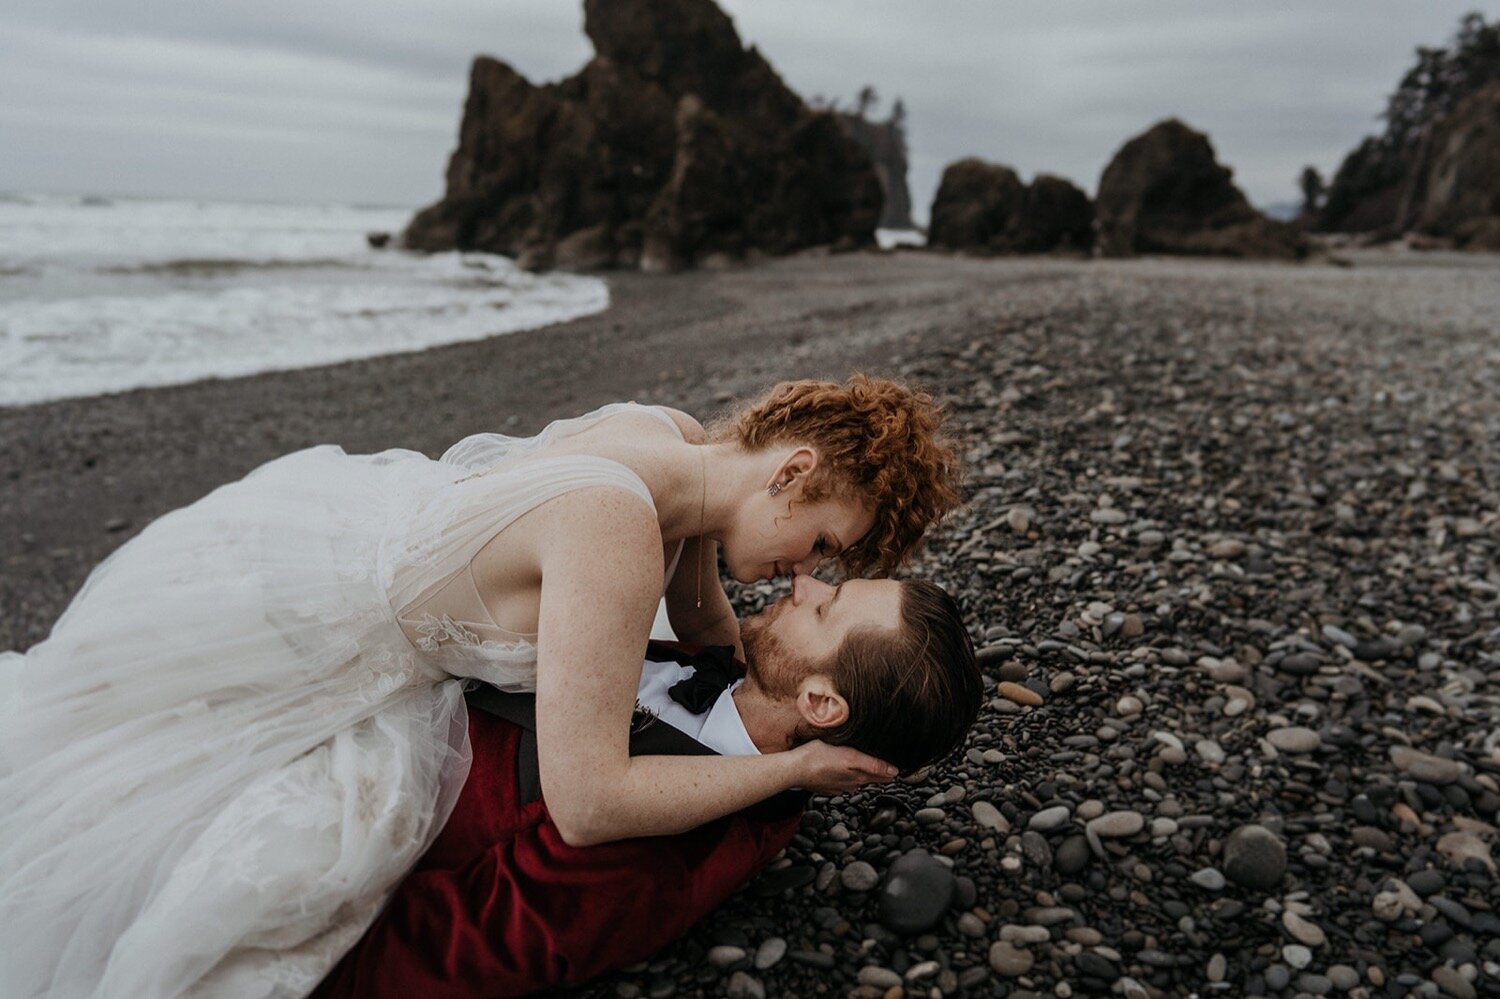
249,723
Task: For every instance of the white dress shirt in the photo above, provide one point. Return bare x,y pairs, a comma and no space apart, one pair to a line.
720,728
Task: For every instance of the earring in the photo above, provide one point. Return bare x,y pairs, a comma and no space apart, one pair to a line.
774,488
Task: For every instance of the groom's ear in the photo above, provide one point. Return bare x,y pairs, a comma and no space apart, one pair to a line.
820,704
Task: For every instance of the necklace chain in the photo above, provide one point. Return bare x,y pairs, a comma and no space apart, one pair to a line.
702,507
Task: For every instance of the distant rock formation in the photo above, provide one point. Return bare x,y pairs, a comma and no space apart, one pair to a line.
1165,192
1381,187
1454,191
984,207
885,141
674,146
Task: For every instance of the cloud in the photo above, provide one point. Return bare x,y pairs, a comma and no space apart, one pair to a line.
311,101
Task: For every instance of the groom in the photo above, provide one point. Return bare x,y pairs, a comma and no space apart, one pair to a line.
501,905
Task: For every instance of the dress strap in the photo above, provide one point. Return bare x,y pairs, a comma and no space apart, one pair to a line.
445,532
479,452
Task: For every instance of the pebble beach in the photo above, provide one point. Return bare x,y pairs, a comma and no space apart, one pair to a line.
1231,556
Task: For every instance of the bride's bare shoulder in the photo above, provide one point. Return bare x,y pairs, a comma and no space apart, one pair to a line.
691,429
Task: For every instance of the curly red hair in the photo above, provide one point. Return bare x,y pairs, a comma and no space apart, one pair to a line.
877,438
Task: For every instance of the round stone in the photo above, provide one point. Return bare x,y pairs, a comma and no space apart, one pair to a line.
1096,966
1072,856
1301,663
1085,936
1019,694
770,953
1296,955
1009,960
1294,739
859,876
743,986
1342,976
1312,984
1209,751
1209,879
988,816
1255,858
1117,825
1424,766
1376,839
1050,818
1452,981
725,956
878,977
1303,930
917,892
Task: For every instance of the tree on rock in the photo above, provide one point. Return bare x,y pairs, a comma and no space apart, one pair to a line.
1371,191
1311,183
885,142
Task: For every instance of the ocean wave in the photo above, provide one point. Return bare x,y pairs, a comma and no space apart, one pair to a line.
163,334
225,266
149,293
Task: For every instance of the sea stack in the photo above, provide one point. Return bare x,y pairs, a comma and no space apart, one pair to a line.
984,207
674,146
1166,192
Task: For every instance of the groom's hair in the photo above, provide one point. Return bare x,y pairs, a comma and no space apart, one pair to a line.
913,690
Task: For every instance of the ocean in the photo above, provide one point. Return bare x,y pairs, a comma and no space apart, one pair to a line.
105,294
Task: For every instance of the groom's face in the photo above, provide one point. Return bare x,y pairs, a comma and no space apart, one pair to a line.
806,628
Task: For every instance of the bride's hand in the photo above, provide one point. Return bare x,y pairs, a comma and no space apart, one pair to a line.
829,769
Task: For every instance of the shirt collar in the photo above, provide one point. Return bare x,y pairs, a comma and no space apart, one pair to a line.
724,730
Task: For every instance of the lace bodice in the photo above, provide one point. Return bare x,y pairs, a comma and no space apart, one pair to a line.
482,485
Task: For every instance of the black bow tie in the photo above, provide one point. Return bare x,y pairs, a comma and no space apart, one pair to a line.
714,669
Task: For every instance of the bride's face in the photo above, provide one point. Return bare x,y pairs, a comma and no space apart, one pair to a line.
785,535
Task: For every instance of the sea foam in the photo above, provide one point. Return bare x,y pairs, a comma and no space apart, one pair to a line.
102,295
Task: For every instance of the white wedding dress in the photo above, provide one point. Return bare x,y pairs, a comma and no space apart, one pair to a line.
250,723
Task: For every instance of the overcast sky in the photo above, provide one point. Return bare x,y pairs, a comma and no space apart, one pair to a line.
359,100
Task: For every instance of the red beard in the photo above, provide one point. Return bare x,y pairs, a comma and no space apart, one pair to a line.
769,664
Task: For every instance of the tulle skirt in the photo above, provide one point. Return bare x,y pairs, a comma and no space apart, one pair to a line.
226,754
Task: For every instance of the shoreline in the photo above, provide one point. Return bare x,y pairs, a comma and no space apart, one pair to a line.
84,474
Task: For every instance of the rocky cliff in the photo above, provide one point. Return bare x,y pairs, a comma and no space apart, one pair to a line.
885,142
1166,192
986,208
674,146
1454,191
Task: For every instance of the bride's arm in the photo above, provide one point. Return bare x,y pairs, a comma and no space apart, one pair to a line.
714,623
598,599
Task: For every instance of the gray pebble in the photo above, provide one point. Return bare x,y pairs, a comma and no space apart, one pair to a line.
770,953
859,876
1009,960
1254,857
1050,818
1209,879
